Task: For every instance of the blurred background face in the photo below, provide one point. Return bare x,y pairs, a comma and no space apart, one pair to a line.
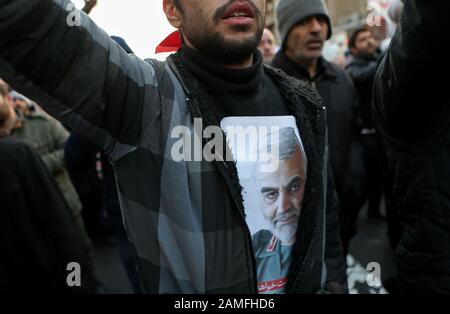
365,44
7,114
281,195
21,105
306,40
267,46
224,30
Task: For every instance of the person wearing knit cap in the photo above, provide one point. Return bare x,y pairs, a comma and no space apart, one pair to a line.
291,12
304,26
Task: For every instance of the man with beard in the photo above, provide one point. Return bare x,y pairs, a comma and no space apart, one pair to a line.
281,196
185,219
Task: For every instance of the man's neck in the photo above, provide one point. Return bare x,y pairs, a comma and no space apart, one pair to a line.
365,56
243,65
309,64
248,62
221,79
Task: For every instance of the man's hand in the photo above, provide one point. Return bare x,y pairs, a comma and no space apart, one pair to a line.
89,5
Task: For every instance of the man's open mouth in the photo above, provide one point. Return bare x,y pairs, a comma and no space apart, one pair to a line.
239,12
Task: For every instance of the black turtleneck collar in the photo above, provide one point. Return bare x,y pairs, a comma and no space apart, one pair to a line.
221,80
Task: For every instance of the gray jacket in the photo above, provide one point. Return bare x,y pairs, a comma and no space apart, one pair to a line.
47,137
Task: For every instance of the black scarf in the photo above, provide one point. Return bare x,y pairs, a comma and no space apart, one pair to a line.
236,92
220,80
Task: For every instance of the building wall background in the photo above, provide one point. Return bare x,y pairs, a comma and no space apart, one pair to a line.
347,13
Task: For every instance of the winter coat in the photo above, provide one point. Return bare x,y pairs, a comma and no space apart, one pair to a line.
38,235
48,137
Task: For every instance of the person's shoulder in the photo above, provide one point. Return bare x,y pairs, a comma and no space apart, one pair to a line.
11,148
158,65
261,240
37,124
353,60
333,68
42,122
36,120
11,144
37,116
162,70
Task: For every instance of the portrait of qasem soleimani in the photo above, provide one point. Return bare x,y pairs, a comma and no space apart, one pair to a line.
281,192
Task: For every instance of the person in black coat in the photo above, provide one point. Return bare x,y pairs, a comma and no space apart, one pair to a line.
304,26
38,236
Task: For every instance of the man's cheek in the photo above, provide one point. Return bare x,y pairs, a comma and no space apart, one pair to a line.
269,213
298,199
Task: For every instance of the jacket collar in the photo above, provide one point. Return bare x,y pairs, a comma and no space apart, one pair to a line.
326,70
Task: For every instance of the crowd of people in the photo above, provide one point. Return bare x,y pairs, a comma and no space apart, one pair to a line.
87,141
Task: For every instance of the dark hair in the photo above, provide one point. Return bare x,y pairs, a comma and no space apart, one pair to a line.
354,36
178,5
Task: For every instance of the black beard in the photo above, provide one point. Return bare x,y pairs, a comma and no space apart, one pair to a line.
215,47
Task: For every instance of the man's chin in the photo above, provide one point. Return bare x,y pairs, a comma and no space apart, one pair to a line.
314,54
287,241
239,37
287,236
226,46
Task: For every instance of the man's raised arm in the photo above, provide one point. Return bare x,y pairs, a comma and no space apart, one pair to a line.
410,96
59,57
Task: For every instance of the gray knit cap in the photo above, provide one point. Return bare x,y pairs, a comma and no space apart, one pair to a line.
291,12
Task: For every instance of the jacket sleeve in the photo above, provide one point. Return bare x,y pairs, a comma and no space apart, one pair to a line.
410,98
334,253
56,55
55,159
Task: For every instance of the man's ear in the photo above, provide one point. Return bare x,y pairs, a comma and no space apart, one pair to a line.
173,14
